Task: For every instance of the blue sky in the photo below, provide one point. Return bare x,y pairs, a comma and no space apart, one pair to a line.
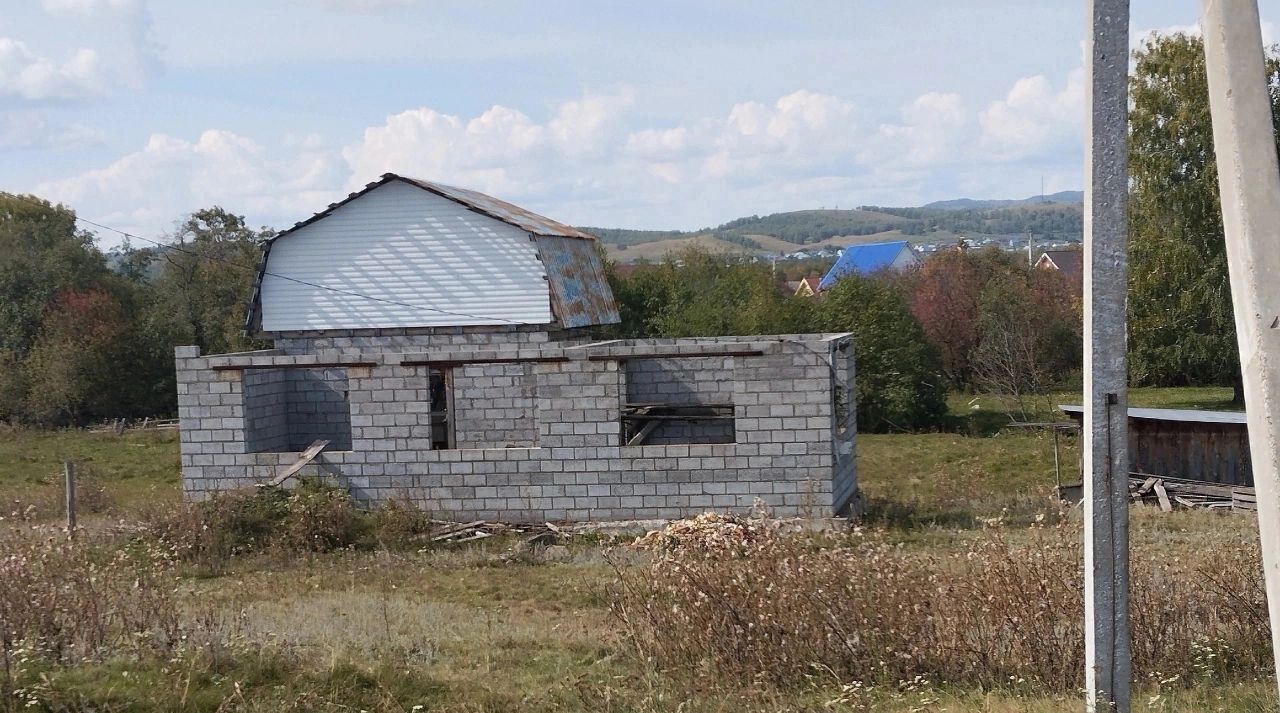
620,114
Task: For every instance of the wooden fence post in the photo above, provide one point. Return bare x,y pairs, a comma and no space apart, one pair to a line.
69,489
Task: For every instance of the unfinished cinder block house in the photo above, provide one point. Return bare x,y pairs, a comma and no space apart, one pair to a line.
439,346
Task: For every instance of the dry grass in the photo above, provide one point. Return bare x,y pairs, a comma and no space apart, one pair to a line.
752,602
385,622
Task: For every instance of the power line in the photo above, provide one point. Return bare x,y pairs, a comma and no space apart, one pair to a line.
267,273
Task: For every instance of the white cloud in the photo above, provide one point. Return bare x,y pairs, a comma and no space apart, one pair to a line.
590,161
1033,117
90,8
145,191
934,130
126,50
358,6
28,76
32,129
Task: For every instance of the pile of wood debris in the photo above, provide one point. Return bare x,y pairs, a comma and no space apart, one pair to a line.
447,532
1168,493
709,531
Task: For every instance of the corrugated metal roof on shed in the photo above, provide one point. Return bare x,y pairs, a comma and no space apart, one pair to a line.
580,294
502,210
1169,414
479,202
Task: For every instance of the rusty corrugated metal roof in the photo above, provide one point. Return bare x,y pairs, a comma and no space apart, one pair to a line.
501,210
476,201
580,294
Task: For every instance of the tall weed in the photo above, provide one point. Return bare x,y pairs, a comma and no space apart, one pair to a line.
743,599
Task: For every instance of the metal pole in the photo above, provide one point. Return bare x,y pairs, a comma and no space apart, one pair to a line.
1106,469
69,490
1245,144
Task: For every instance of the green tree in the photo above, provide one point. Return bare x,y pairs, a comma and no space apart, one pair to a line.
1182,330
1028,338
41,254
900,383
73,370
204,282
696,294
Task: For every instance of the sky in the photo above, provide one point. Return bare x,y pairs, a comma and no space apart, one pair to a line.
659,115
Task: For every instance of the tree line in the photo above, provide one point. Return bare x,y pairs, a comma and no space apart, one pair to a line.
86,335
970,320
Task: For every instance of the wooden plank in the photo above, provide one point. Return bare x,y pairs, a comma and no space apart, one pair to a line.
643,433
1165,505
1185,502
306,457
674,417
316,365
502,360
1242,501
676,355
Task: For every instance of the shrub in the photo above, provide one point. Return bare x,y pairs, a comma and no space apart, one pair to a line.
319,519
312,518
65,602
398,524
752,602
899,375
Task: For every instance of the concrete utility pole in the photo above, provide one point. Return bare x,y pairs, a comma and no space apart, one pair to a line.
1106,457
1245,144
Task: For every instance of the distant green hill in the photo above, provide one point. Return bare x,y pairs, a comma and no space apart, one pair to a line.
971,204
1055,217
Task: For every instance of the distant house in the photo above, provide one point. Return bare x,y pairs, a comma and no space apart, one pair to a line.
808,287
871,258
1068,262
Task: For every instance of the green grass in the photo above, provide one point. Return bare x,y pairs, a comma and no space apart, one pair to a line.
474,628
135,469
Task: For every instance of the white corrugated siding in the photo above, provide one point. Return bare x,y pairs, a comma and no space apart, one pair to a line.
402,244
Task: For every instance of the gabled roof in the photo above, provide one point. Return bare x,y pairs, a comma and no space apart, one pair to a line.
473,200
578,290
806,287
864,260
1069,262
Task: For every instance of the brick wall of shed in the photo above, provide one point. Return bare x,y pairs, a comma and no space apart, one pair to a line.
318,408
683,381
408,340
266,409
493,405
783,455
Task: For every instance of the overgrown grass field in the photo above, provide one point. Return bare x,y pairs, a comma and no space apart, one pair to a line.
386,620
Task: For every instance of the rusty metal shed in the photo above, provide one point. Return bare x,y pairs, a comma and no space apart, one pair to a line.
1210,446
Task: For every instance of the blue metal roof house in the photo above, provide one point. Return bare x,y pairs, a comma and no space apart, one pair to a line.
868,259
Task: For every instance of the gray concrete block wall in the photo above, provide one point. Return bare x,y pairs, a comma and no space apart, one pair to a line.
266,409
317,408
401,340
493,405
683,381
390,412
844,480
579,404
785,452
